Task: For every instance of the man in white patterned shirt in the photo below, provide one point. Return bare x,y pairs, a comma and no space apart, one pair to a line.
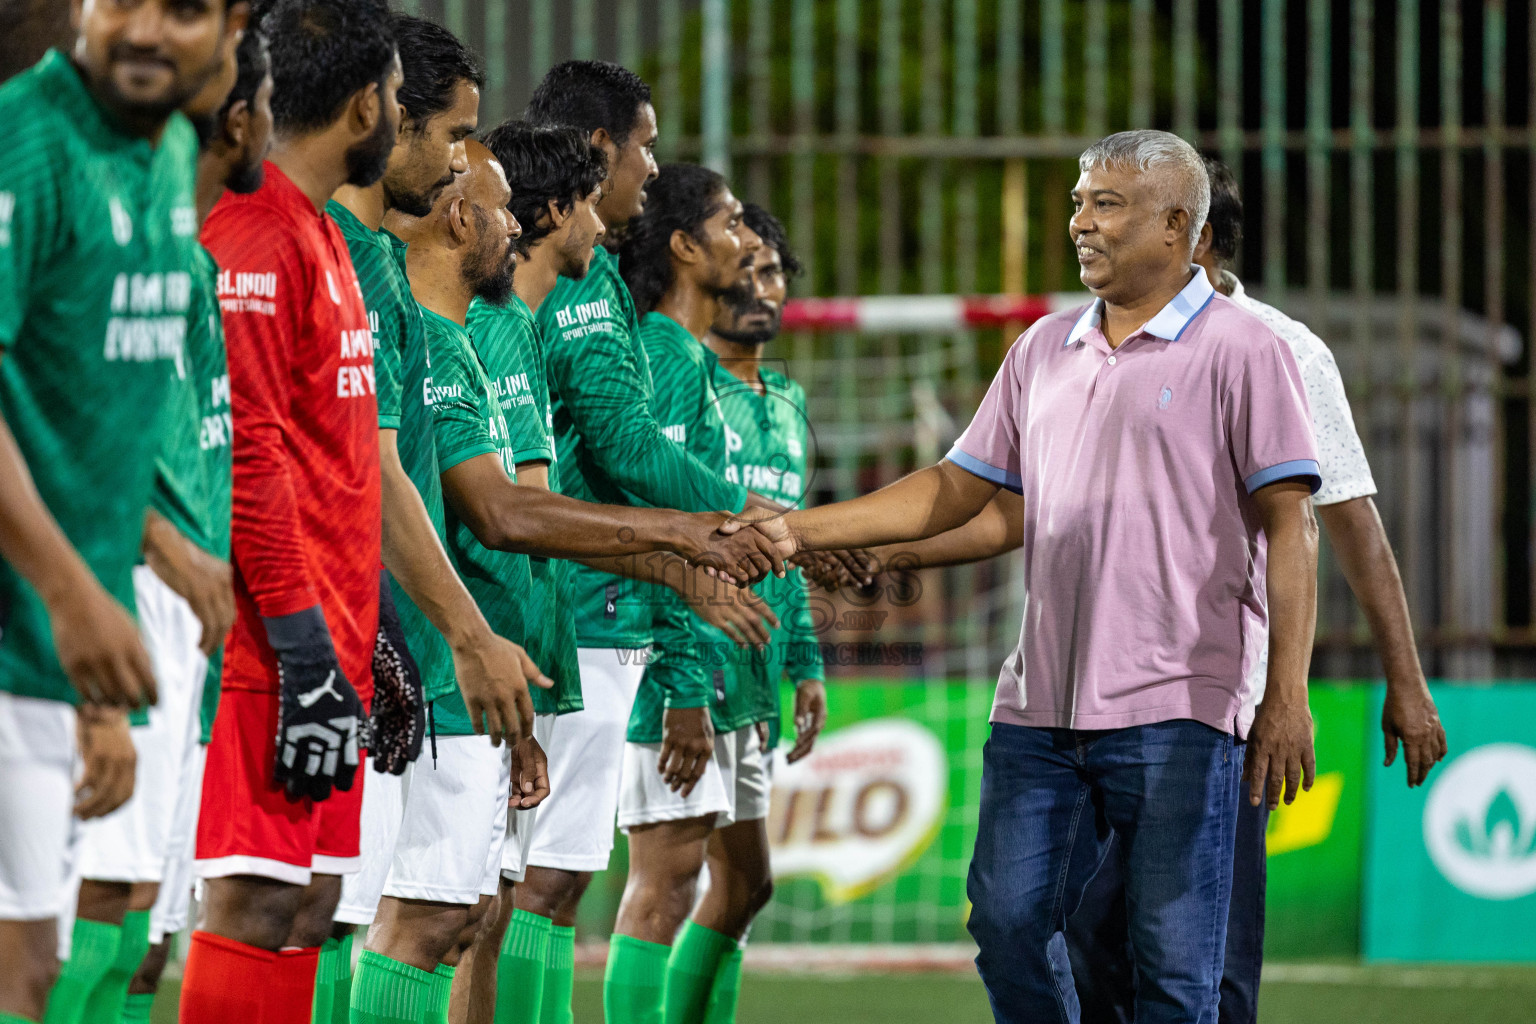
1096,935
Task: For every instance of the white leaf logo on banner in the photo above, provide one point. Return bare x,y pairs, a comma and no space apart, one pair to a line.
860,809
1480,821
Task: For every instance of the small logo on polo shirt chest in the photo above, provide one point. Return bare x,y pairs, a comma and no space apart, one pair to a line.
1165,398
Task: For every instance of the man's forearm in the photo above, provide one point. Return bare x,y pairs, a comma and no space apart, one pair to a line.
1291,584
31,541
996,530
923,504
1365,556
414,555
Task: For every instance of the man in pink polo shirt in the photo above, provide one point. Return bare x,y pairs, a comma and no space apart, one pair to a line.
1161,442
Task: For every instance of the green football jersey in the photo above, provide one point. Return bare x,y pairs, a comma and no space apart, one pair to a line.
508,339
693,659
401,369
767,437
192,476
98,231
468,422
611,448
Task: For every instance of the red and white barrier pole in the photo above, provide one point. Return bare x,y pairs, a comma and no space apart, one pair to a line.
919,313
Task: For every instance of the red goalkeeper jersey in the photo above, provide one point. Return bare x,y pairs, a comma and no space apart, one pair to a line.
306,514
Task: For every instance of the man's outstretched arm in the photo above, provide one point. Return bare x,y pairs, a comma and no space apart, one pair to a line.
923,504
1365,556
996,530
492,672
529,520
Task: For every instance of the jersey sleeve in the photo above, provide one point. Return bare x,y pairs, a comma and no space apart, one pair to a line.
459,422
1269,432
386,374
1340,455
989,447
266,539
681,666
30,215
598,378
527,430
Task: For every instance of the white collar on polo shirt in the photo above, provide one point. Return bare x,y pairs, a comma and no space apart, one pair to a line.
1170,321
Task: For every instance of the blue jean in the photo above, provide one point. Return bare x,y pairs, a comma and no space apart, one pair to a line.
1050,801
1098,941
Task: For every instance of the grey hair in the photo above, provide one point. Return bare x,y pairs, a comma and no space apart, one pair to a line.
1186,188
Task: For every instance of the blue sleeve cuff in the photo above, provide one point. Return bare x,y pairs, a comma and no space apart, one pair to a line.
991,474
1304,470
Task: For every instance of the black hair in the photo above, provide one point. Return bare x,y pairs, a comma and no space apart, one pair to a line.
435,62
323,52
590,94
254,63
681,198
771,231
544,162
1226,215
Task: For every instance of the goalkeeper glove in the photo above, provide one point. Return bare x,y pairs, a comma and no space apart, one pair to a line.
399,716
319,717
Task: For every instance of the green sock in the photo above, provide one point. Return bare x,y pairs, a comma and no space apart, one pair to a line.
559,977
520,969
386,991
138,1008
7,1018
442,992
93,950
341,982
105,1005
634,986
726,991
691,970
325,978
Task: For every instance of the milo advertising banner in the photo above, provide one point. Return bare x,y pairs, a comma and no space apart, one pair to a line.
871,834
1316,844
1451,866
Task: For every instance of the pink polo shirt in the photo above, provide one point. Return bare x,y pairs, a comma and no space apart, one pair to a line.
1143,558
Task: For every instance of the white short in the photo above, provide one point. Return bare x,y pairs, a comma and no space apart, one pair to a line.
736,785
37,793
383,807
170,913
586,757
522,825
131,843
454,823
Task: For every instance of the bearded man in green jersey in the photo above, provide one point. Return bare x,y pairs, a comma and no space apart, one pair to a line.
135,863
555,175
447,856
453,645
89,331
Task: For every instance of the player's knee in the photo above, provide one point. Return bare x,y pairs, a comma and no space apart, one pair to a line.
255,911
143,896
26,984
548,892
314,922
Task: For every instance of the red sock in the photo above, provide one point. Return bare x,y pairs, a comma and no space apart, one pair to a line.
225,981
292,999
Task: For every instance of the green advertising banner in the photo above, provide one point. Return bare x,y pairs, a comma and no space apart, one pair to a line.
1451,866
1315,844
